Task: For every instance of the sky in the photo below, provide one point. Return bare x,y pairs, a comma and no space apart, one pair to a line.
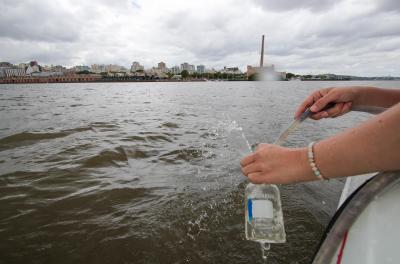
355,37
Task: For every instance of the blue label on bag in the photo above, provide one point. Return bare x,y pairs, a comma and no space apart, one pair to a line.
250,209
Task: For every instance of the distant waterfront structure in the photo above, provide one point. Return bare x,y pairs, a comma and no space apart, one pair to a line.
3,67
13,72
115,68
97,68
58,68
5,64
109,68
201,69
80,68
176,77
32,68
192,69
162,66
262,52
176,69
265,72
187,67
231,70
136,67
23,65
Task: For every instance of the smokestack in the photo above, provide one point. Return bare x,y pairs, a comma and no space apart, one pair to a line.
262,53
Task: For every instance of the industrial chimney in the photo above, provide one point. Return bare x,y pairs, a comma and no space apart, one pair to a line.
262,53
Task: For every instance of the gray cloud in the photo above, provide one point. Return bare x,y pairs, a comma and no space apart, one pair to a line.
388,5
287,5
302,36
30,20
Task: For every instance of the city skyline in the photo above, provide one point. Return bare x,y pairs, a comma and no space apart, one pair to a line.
309,37
135,66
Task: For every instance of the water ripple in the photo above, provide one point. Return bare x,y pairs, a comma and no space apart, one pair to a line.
26,138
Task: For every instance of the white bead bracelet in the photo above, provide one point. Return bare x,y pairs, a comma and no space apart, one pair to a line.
311,160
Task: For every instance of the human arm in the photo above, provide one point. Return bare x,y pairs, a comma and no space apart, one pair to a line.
372,146
345,98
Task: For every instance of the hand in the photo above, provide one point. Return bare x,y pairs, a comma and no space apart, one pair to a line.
342,97
275,164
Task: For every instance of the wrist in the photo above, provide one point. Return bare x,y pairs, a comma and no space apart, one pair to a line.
362,95
357,95
303,169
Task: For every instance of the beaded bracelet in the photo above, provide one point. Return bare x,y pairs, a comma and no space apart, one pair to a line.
311,160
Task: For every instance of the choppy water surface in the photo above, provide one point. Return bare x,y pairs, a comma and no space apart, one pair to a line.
148,172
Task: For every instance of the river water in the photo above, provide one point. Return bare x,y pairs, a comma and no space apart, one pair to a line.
149,172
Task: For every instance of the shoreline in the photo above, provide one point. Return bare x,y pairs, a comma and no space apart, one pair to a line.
93,78
99,79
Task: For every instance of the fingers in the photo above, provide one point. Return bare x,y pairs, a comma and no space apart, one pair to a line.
323,101
248,159
311,99
303,106
347,107
319,115
255,178
337,110
252,168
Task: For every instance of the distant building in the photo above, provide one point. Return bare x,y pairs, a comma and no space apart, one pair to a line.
156,73
48,70
46,74
176,77
5,64
45,68
23,65
264,72
201,69
98,68
176,70
58,68
188,67
139,75
212,71
80,68
32,67
185,66
136,67
162,67
12,72
114,68
231,70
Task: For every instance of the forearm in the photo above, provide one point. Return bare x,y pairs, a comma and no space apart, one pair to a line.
368,147
372,96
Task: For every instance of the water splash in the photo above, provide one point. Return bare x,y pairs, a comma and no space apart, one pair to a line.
237,138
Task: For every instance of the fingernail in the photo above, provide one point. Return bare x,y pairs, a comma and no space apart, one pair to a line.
325,114
313,108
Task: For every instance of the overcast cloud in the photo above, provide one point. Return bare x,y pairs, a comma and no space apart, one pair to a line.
358,37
